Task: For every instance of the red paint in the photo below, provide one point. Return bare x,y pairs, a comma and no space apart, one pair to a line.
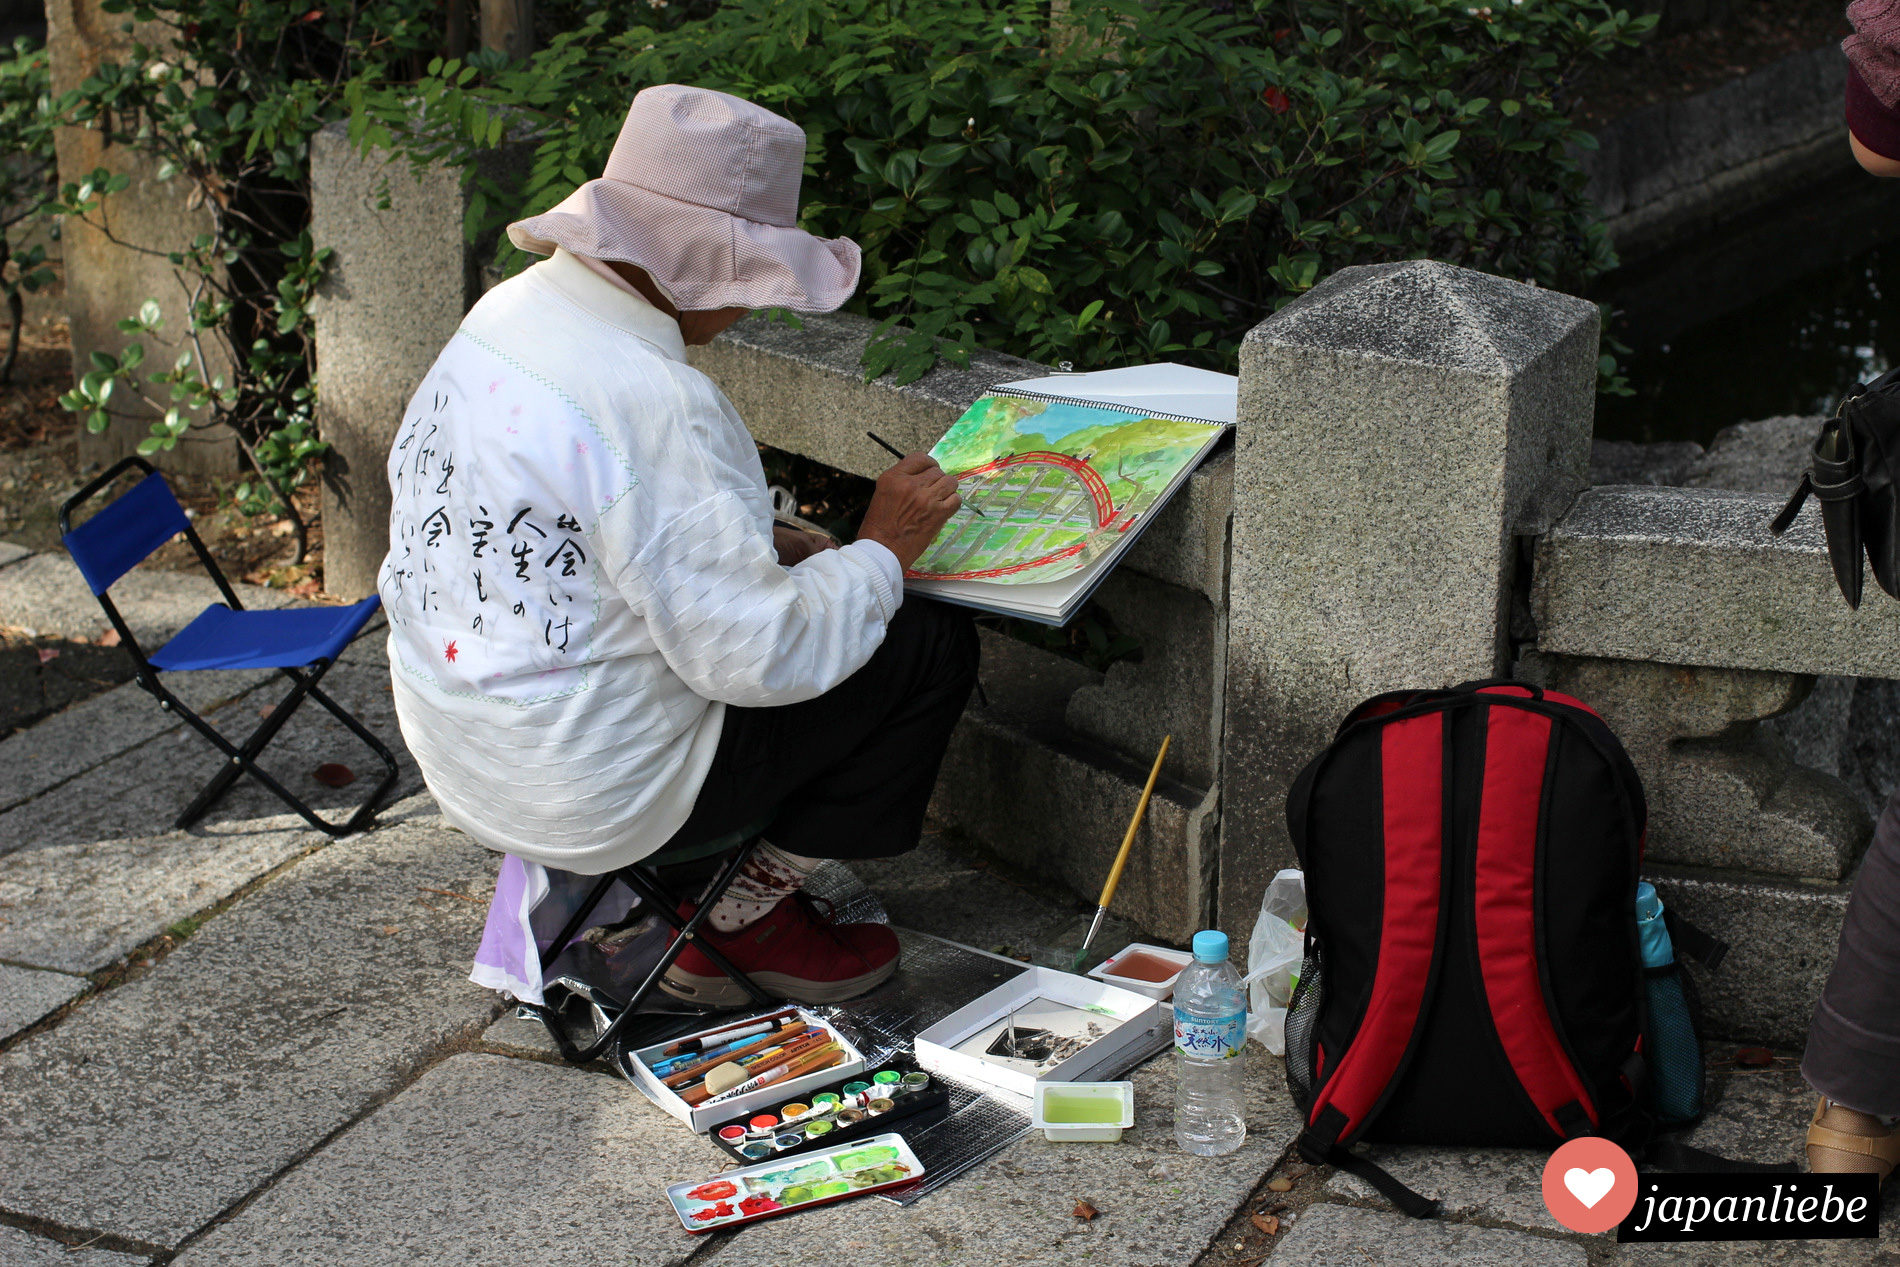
717,1190
448,652
721,1211
758,1203
1142,966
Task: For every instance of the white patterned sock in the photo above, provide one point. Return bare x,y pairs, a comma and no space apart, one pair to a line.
769,875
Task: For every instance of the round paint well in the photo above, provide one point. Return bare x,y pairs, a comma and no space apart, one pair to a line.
789,1140
763,1122
850,1117
876,1107
824,1100
885,1077
791,1111
815,1129
915,1081
855,1089
732,1134
756,1152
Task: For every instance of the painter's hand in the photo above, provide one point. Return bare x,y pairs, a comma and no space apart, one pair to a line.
795,545
913,500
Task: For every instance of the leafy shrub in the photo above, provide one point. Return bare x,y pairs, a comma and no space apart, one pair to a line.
224,95
1127,180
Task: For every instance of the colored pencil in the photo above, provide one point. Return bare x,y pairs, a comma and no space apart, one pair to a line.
823,1058
683,1076
760,1060
698,1094
718,1037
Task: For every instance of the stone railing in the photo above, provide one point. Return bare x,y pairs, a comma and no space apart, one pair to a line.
1404,505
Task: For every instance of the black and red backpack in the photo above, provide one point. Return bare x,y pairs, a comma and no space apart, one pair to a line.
1472,972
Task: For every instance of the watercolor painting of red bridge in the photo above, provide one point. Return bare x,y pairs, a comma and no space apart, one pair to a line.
1038,508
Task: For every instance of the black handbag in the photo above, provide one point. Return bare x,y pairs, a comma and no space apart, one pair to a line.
1856,460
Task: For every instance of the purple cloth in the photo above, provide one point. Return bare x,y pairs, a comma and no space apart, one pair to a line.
508,958
1873,50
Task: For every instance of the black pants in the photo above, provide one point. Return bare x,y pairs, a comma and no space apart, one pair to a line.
851,771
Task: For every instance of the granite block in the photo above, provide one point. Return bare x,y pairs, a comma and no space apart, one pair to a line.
154,1108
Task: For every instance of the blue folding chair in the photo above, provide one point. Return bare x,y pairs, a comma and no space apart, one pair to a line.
302,643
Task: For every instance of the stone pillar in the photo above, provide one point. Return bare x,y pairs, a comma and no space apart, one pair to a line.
400,281
1400,426
106,282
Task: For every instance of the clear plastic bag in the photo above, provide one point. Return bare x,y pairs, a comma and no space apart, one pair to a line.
1273,959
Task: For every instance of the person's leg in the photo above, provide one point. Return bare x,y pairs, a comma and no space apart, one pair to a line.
846,775
849,773
1853,1052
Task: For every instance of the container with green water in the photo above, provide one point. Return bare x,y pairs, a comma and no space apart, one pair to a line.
1084,1111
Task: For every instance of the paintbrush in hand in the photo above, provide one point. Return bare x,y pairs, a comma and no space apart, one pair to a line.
896,452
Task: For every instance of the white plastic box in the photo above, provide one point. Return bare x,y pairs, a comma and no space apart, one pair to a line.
1128,1020
705,1117
1121,1093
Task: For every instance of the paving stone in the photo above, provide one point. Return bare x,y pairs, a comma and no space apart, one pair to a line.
517,1037
1503,1185
485,1160
23,1249
94,731
159,1104
11,553
1330,1235
45,593
27,994
90,870
1158,1204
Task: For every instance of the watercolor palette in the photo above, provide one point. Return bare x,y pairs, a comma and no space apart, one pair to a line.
779,1187
841,1112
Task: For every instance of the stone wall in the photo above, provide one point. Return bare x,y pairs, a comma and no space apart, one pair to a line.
1677,168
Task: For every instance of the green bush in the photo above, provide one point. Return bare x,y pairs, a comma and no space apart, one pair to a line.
1129,180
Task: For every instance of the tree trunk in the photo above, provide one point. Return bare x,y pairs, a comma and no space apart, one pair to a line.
508,27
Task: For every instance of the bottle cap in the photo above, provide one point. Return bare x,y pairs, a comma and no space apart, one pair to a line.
1210,946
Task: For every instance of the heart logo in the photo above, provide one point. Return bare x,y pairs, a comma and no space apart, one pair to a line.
1589,1186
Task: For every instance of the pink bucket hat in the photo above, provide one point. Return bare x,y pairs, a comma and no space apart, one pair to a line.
701,190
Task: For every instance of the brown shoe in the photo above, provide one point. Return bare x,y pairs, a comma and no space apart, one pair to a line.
1842,1141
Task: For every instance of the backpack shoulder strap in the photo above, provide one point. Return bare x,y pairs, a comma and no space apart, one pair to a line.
1412,776
1504,904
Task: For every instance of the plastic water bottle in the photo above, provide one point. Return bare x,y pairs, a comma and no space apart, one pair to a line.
1651,932
1210,1027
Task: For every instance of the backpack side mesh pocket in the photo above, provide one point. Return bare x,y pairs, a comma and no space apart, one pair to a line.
1302,1027
1675,1046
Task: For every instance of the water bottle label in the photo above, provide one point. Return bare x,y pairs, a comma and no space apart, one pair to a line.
1219,1037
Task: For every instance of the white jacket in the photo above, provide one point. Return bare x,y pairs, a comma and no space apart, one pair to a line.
581,576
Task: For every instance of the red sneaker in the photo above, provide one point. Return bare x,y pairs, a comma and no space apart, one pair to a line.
794,953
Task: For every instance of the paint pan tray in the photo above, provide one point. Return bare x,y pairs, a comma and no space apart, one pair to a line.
912,1108
785,1184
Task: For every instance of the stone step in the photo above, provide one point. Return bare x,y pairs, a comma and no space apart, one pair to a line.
1019,784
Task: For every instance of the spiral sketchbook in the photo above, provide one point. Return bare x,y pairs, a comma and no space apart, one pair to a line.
1059,476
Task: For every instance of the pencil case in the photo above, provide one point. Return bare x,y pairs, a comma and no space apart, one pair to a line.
838,1113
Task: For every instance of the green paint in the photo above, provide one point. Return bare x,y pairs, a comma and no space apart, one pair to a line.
1060,1107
